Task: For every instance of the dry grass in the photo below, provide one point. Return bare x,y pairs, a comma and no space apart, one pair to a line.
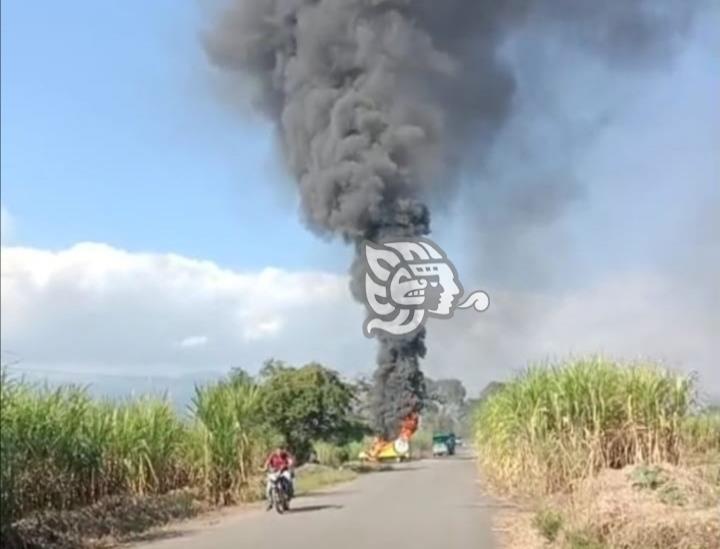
638,507
513,528
112,520
659,507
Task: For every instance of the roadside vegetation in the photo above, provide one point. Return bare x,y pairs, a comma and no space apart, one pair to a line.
608,455
63,450
75,467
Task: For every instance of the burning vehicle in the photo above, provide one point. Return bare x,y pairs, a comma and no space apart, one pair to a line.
395,450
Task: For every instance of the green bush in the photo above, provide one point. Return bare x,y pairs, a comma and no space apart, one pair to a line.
648,477
330,454
354,449
582,540
548,523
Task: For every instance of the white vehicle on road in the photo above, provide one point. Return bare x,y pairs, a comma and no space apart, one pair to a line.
440,449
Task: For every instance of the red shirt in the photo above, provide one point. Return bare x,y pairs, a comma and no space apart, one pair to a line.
279,461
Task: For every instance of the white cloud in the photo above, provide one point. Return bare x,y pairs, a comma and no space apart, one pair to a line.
263,329
194,341
97,307
94,307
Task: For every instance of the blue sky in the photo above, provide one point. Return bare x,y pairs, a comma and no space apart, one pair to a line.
113,132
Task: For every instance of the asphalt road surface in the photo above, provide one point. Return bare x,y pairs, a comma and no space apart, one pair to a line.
431,504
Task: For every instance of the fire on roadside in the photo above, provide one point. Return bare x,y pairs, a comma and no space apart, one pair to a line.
398,448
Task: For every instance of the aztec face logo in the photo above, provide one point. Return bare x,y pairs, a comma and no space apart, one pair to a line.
406,282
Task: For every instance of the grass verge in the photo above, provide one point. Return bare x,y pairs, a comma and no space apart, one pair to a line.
314,477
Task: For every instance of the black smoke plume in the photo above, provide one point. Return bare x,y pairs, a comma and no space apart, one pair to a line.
380,104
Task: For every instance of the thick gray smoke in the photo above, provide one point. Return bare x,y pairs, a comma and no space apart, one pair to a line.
381,104
398,382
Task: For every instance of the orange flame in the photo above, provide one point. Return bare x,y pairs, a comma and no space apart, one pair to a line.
407,429
409,426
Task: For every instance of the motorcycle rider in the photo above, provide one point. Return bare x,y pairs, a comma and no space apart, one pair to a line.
282,461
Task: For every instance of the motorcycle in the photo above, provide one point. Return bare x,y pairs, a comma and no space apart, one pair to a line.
279,491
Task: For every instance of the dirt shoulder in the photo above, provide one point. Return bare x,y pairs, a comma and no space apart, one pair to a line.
660,506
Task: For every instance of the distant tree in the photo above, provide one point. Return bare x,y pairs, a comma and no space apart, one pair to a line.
445,404
238,376
362,390
441,422
472,404
306,404
273,366
490,389
446,391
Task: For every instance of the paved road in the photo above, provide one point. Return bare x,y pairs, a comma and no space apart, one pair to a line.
432,504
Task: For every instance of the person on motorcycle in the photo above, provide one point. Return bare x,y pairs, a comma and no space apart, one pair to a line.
280,461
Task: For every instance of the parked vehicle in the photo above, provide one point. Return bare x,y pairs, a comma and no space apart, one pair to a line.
443,444
398,451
